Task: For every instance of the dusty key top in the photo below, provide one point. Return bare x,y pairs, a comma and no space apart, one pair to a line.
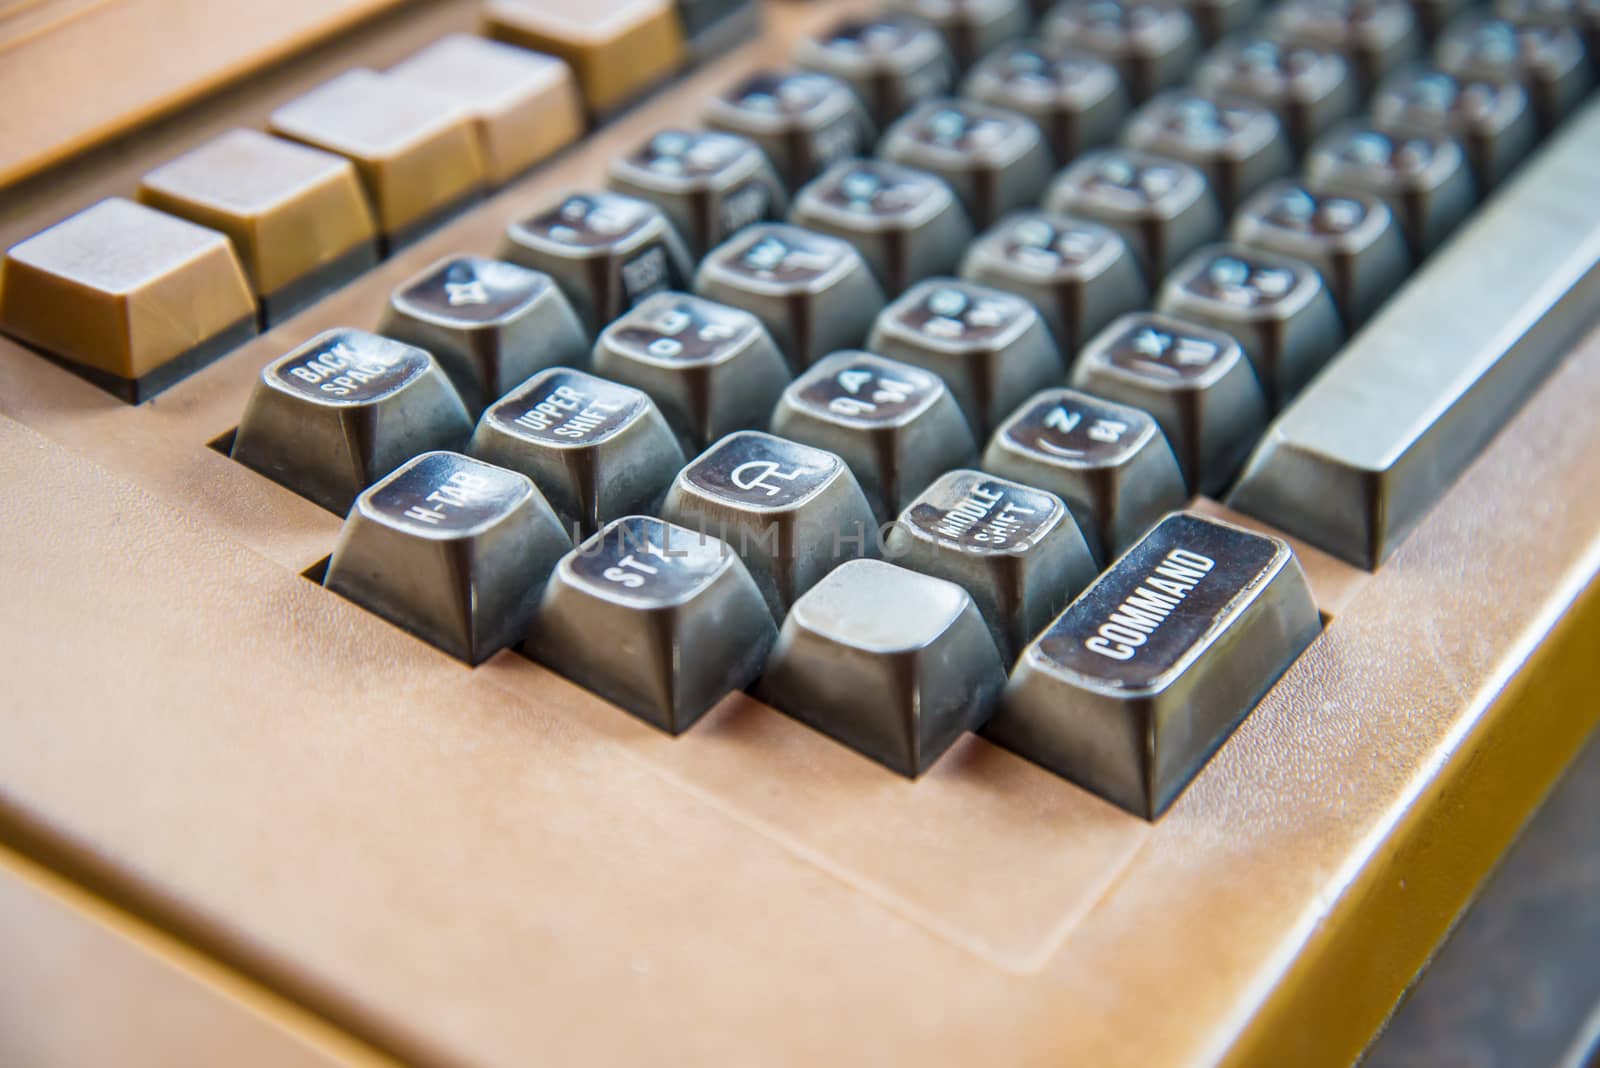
1239,144
709,184
1015,549
793,513
343,410
970,28
1376,36
617,48
1137,683
893,663
454,550
896,426
1549,61
892,62
1076,97
711,369
490,324
658,619
804,121
296,215
1494,122
98,290
414,148
596,450
1308,88
995,160
1152,44
1423,178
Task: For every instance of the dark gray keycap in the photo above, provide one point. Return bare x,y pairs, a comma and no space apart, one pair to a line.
814,293
1494,123
892,62
1015,549
991,348
454,550
906,223
1239,144
1194,381
1152,45
1139,681
995,160
970,28
1308,88
1078,275
663,621
896,426
1581,15
1423,178
1549,61
804,121
1216,19
606,251
1376,36
1075,97
1277,307
490,324
711,369
708,183
1351,239
343,410
1163,208
1110,463
894,664
793,513
596,449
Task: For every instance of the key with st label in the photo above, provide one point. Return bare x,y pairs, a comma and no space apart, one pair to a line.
1145,675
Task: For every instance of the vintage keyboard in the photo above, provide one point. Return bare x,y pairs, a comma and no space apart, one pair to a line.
832,531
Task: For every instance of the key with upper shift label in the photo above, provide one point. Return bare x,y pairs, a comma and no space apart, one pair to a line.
1076,97
995,160
709,184
1137,683
803,120
1423,178
1239,144
891,62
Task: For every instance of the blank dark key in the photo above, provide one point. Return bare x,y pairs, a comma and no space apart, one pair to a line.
1376,36
1078,275
1495,123
1549,61
1308,88
896,426
454,550
1015,549
489,324
1075,97
1351,239
343,410
813,292
711,369
793,513
1163,208
1152,45
663,621
970,28
906,223
991,348
892,663
606,251
709,184
596,450
1240,145
804,121
1107,461
995,160
892,62
1139,681
1423,178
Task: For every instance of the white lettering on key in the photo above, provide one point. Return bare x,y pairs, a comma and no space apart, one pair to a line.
754,474
1144,610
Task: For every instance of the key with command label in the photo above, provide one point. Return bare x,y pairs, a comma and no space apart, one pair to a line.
1147,673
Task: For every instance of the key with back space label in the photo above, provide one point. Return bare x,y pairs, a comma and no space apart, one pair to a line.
995,160
1137,683
1076,97
892,62
803,120
709,184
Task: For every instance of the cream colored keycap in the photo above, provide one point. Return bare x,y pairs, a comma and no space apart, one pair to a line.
617,48
524,105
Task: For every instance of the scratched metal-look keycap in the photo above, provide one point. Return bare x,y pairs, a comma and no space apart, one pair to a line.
596,450
970,28
814,293
711,369
1308,88
490,324
1423,178
1152,44
606,251
995,160
1075,97
709,184
343,410
1078,275
1494,123
1110,463
892,663
1163,208
1015,549
1352,240
803,120
1376,36
906,223
991,347
1277,307
454,550
663,621
1196,382
896,426
1549,61
892,61
793,513
1239,144
1136,684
